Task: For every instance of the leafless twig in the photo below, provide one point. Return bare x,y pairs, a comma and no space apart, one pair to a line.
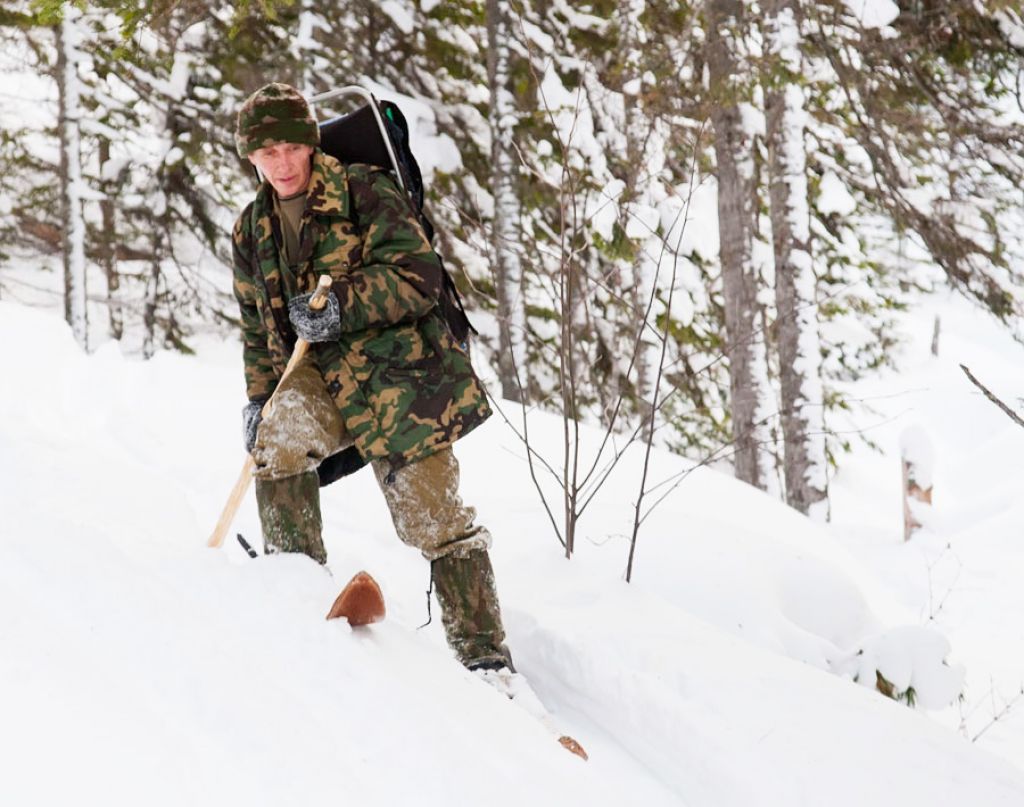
1002,713
991,396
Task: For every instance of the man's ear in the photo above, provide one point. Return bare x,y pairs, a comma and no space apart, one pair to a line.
250,159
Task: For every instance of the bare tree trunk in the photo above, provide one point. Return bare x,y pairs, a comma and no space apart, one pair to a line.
637,132
109,252
799,343
569,370
508,270
152,294
73,241
737,215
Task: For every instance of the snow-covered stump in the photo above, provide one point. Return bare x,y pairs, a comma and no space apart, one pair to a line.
909,664
918,458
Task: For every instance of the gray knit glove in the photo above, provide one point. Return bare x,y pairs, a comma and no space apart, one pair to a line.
252,414
315,326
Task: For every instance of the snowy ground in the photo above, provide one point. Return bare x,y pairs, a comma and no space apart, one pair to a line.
139,667
961,574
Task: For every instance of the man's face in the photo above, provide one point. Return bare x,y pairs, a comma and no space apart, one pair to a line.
285,165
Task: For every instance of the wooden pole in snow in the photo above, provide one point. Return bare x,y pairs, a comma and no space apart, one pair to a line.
916,456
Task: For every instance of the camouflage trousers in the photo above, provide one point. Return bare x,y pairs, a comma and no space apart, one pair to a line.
301,429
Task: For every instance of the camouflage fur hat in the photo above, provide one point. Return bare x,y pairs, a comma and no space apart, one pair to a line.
276,113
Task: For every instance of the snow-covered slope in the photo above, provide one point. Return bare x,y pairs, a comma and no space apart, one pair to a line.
139,667
963,572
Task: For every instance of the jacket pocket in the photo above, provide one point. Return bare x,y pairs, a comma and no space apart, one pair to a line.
400,346
413,369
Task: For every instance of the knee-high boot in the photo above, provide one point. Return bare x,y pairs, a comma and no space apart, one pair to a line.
289,511
470,613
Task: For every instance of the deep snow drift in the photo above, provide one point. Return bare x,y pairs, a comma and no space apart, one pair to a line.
139,667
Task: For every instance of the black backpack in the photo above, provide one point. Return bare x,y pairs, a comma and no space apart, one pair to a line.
383,140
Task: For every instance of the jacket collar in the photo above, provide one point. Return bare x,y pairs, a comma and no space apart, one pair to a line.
327,193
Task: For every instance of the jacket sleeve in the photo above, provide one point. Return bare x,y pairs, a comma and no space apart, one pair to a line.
400,276
260,376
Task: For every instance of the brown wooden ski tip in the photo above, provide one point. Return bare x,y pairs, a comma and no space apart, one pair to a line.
360,602
572,746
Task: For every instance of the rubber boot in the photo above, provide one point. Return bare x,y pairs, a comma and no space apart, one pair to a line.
469,608
289,511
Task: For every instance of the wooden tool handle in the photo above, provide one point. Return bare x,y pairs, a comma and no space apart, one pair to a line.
319,298
233,503
316,302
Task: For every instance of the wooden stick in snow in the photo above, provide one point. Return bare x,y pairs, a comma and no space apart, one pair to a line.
912,491
917,458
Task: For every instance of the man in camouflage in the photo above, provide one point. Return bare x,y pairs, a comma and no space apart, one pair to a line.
384,377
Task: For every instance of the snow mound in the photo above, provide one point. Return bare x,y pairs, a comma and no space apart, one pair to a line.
153,670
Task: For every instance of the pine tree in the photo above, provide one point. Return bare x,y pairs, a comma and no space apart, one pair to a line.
923,107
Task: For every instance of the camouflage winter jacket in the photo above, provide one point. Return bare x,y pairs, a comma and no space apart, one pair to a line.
403,386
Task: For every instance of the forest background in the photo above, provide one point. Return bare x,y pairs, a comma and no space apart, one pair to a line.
691,224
